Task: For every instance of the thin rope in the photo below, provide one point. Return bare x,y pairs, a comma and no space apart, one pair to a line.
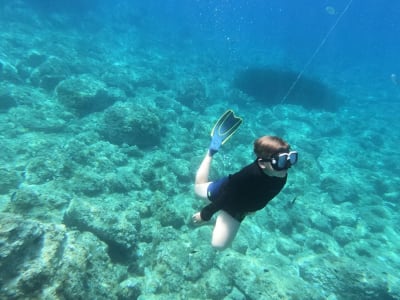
321,44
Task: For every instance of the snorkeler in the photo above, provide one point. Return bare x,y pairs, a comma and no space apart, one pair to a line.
246,191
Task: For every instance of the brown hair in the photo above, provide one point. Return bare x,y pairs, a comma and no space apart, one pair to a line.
266,146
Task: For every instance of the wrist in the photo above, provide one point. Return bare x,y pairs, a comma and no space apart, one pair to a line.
203,216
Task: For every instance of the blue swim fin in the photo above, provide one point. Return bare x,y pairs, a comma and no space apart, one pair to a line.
225,127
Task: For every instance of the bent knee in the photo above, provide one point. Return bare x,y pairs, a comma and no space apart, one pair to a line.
220,246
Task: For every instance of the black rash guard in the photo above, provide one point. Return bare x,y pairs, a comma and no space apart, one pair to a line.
246,191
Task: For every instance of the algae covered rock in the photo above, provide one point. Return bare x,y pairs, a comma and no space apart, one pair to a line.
85,94
7,98
349,278
34,59
45,202
109,219
132,124
43,169
47,72
344,235
48,118
8,72
186,262
193,94
9,179
46,261
287,247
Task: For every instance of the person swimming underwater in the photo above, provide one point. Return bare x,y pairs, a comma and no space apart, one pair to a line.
246,191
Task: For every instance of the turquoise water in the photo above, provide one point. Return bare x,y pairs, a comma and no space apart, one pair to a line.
105,114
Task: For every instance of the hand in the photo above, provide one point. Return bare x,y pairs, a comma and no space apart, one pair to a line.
197,220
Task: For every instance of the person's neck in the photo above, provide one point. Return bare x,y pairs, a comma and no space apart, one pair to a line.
272,173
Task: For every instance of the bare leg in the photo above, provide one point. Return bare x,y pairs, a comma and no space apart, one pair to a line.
201,182
204,170
225,231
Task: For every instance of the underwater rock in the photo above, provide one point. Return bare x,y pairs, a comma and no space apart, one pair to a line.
375,224
183,262
110,220
23,200
122,78
287,247
88,183
182,169
130,288
270,87
49,73
363,247
85,94
320,222
260,280
344,235
347,278
131,124
285,225
14,94
342,215
193,94
235,294
207,283
45,202
43,169
96,166
46,261
169,216
9,179
35,59
340,191
44,118
123,180
32,108
318,243
7,98
152,232
8,72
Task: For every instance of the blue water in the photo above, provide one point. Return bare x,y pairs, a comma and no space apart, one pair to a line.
105,113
